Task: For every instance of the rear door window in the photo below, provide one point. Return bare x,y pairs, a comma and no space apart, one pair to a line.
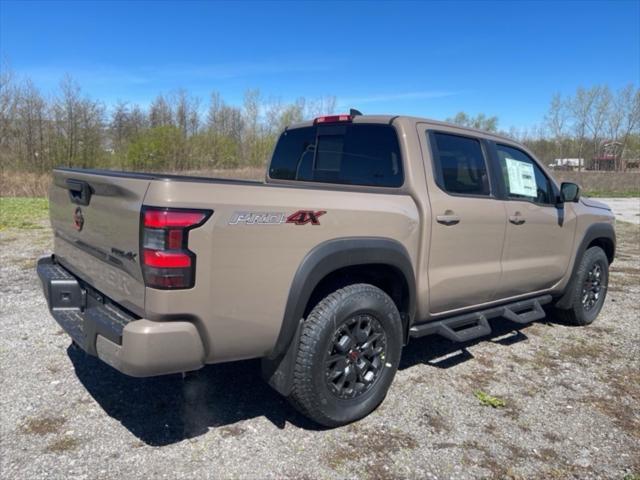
352,154
459,164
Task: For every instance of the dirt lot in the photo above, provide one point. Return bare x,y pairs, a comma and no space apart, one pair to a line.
571,395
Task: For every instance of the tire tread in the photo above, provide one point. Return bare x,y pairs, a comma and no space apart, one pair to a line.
302,396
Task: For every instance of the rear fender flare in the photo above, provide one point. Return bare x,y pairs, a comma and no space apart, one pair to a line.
316,265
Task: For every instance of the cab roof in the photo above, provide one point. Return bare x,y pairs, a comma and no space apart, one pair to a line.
415,120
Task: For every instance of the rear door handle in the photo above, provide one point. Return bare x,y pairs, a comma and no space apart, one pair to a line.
516,219
448,219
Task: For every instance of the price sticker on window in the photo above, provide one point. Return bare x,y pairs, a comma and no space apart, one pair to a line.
522,179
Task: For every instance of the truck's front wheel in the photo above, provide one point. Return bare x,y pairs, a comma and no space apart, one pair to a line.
588,288
348,354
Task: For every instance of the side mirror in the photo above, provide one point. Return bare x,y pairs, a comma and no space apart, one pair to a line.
570,192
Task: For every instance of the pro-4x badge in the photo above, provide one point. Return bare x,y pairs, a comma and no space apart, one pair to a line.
302,217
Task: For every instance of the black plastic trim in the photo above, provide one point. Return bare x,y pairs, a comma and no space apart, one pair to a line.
79,191
593,232
317,264
472,325
86,317
331,256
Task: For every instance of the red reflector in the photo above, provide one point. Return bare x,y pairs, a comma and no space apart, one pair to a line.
174,239
160,259
333,119
171,218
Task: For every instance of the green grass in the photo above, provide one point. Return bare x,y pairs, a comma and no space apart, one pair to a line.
612,194
489,401
23,213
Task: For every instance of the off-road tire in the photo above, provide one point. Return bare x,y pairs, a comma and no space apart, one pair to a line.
311,394
577,314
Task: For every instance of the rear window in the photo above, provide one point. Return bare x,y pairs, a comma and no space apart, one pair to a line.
459,164
352,154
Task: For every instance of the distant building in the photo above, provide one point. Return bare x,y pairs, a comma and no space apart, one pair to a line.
609,154
567,163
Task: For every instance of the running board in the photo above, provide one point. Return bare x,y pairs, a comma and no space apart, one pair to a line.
469,326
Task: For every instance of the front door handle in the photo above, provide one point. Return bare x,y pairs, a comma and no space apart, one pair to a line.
449,218
517,219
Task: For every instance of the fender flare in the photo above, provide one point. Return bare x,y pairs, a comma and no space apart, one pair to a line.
593,232
322,260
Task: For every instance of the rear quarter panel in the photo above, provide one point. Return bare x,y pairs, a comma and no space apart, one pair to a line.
244,272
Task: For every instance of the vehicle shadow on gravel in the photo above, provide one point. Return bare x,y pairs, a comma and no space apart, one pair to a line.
168,409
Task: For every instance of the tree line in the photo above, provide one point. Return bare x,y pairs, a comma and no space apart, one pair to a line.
177,131
593,123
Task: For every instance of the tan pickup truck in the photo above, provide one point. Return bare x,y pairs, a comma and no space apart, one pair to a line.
367,231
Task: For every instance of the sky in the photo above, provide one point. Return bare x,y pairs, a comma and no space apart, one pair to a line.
430,59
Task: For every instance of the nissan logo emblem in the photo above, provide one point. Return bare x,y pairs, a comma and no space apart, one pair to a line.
78,219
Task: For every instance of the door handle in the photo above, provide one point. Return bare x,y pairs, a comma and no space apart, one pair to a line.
448,218
517,219
79,191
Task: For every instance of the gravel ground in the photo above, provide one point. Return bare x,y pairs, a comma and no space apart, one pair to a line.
625,209
572,402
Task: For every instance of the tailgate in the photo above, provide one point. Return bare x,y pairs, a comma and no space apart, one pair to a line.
96,222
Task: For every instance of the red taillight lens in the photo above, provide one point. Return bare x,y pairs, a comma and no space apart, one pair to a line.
161,259
333,119
162,218
167,262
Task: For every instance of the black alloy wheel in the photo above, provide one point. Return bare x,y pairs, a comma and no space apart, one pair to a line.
356,356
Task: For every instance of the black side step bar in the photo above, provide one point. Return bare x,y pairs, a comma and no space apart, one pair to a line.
469,326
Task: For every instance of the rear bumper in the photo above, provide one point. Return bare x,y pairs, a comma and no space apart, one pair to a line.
134,346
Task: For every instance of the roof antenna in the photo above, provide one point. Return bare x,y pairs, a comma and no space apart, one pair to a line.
354,113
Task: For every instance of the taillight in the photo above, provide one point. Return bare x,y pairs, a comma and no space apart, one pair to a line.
333,119
167,262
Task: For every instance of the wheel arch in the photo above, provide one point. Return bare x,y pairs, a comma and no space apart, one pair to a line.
602,235
361,258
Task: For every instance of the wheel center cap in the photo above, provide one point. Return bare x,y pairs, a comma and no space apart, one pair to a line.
353,355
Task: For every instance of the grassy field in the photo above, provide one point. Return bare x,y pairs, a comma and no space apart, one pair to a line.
22,213
613,194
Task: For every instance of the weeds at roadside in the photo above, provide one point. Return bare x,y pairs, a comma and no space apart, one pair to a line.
62,445
43,425
373,446
489,400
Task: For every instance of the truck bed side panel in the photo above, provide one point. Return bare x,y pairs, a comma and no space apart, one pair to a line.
244,271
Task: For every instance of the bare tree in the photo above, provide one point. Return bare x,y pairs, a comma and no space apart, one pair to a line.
597,115
187,116
625,119
557,119
160,113
580,107
480,121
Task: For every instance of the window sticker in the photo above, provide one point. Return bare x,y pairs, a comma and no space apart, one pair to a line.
522,180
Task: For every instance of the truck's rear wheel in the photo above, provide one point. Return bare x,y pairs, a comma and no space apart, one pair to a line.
348,355
588,288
